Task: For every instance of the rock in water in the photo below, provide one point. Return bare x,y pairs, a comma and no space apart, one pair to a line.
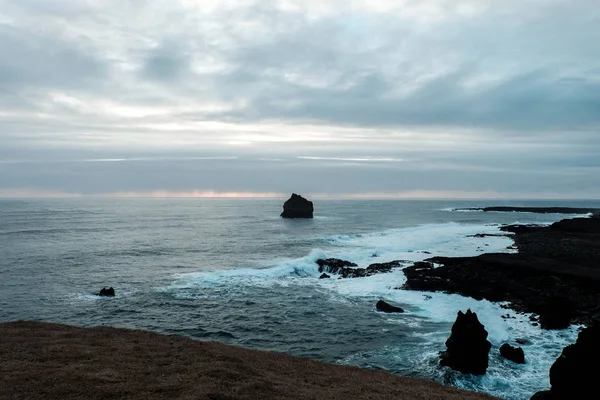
297,207
107,292
468,347
388,308
514,354
334,265
573,375
324,276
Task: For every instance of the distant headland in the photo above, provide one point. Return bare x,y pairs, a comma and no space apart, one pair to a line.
536,210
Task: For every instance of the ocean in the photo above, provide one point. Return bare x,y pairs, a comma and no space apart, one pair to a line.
231,270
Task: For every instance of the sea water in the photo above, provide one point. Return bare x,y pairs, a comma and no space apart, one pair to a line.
232,270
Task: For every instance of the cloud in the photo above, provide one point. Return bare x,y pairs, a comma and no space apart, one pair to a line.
489,91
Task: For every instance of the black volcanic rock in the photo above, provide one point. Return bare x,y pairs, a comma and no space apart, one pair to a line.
556,313
515,354
545,395
324,276
347,269
297,207
334,265
387,308
383,267
528,283
468,347
577,225
107,292
573,375
418,269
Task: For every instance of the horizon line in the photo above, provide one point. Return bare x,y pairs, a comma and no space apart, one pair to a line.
212,194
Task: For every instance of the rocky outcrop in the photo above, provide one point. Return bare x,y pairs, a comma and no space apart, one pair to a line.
576,242
387,307
297,207
573,375
347,269
467,347
577,225
107,292
334,265
514,354
383,267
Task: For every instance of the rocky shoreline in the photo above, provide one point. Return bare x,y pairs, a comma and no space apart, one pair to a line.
555,274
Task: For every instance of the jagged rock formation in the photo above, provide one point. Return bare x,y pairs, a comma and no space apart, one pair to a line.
347,269
468,347
573,375
297,207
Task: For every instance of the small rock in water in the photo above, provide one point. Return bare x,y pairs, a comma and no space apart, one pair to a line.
107,292
324,276
515,354
388,308
522,341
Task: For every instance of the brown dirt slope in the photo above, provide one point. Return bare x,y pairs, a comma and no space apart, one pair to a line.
50,361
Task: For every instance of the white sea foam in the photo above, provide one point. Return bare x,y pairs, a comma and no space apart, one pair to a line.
411,244
295,268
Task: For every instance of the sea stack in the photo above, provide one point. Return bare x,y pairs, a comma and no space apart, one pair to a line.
468,347
297,207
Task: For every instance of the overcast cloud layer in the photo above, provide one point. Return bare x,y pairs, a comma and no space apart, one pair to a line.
416,97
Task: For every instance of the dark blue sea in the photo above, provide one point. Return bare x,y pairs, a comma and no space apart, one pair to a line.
231,270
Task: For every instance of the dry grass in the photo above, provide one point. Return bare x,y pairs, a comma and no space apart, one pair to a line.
50,361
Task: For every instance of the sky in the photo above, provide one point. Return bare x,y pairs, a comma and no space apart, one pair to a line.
349,98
